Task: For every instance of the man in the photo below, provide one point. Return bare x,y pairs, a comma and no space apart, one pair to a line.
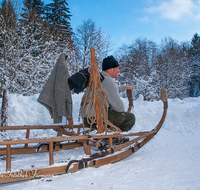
116,111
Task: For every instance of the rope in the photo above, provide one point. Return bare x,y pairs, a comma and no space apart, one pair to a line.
93,91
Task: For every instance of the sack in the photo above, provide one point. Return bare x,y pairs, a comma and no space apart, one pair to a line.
80,80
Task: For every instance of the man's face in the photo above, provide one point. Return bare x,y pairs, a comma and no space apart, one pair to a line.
115,72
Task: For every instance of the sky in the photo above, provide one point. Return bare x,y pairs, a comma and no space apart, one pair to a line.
126,20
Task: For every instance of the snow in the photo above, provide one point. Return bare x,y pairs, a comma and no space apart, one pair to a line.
169,161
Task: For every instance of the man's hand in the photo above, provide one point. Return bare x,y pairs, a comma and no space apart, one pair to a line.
129,87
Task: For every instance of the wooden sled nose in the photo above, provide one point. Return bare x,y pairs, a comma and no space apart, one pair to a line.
163,97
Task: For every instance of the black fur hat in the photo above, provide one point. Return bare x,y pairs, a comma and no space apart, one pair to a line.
109,62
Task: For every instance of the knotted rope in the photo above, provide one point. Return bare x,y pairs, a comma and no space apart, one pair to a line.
88,101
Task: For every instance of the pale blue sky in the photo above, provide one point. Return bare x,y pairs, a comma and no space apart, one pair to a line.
126,20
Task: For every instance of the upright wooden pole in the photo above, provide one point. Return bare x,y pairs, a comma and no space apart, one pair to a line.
51,160
27,136
4,109
8,157
96,81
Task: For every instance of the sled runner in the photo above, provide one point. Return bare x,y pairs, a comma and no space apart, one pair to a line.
71,136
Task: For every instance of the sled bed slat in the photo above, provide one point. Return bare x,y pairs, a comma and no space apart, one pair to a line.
37,127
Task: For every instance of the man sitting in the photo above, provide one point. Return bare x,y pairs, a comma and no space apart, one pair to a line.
116,111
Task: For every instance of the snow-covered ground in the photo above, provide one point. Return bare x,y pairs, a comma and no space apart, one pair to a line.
171,160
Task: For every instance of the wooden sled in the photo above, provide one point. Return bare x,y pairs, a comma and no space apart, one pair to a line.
75,139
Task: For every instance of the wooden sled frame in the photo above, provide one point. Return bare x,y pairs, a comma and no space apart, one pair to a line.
94,160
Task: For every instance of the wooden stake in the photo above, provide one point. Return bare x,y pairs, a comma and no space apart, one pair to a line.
86,148
8,157
51,161
110,143
27,136
4,108
96,81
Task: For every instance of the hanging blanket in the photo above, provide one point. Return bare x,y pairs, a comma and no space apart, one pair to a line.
56,95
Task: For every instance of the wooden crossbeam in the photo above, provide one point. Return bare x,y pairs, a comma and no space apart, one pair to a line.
54,139
25,127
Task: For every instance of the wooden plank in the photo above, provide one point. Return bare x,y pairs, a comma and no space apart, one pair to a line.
31,174
86,148
96,81
27,136
56,139
38,173
51,160
8,158
28,150
37,127
110,142
71,121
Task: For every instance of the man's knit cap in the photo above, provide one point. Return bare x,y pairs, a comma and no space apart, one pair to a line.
109,62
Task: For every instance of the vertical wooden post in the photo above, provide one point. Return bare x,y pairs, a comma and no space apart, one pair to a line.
110,142
71,121
4,109
86,148
8,157
96,81
51,161
27,136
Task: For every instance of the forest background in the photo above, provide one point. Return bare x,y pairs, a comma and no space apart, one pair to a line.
34,34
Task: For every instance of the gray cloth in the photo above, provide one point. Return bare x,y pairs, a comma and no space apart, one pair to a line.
56,95
113,91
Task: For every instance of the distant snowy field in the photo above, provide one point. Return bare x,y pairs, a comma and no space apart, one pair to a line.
171,160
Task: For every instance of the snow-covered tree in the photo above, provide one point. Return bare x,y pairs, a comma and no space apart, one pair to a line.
87,35
8,23
148,68
173,68
58,15
136,63
28,52
195,65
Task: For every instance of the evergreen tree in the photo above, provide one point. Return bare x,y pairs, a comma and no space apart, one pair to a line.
32,11
37,50
32,19
195,64
195,48
58,16
8,23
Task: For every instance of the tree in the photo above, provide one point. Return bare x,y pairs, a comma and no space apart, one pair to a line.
8,23
173,68
58,15
136,63
148,67
195,45
88,35
195,66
